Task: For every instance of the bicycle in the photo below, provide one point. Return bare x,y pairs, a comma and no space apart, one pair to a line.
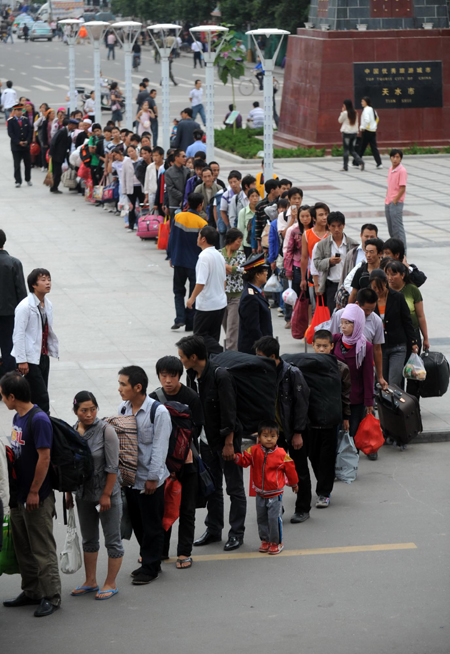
247,85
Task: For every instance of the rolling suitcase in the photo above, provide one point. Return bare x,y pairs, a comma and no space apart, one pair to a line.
438,374
399,414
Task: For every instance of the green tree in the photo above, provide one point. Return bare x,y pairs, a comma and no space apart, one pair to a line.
230,64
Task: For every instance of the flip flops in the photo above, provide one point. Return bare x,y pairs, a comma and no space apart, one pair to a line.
85,589
103,594
184,567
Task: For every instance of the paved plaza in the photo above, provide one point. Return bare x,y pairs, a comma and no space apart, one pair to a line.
370,574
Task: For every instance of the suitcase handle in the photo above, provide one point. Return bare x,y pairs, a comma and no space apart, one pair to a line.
393,395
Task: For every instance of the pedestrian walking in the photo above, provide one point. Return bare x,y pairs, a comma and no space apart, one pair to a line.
369,125
102,490
209,291
20,132
348,119
395,196
8,99
153,115
32,515
197,50
196,98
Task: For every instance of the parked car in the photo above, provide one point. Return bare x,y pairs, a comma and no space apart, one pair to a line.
41,30
19,22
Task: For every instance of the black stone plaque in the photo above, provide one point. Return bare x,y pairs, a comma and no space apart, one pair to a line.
399,85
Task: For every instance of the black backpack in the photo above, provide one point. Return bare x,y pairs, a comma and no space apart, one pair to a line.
85,155
71,463
181,434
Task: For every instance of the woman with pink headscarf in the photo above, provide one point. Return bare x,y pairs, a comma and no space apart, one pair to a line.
356,352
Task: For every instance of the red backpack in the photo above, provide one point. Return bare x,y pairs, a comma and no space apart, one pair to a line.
181,434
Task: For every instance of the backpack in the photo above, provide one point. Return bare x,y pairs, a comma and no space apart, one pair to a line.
71,463
181,434
85,155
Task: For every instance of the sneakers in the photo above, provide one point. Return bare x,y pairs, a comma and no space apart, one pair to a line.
276,548
264,547
30,183
287,325
299,517
362,166
177,325
373,456
389,441
18,185
323,502
380,166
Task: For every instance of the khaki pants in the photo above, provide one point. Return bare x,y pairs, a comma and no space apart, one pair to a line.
35,548
230,323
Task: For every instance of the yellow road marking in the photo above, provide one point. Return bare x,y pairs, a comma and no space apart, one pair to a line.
320,550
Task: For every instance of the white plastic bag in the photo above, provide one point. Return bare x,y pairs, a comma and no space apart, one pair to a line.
347,458
70,557
289,295
273,285
414,368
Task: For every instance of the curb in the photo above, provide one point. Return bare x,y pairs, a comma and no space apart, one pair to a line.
424,437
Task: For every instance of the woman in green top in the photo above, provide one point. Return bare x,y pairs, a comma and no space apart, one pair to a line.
398,278
234,261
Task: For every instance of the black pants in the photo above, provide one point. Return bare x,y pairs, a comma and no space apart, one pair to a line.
300,458
146,514
6,343
186,524
322,454
370,138
133,197
96,174
198,57
358,412
260,78
349,141
22,155
183,315
234,480
57,172
208,325
37,377
330,295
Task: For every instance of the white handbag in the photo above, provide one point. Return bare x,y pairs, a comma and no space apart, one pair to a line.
70,557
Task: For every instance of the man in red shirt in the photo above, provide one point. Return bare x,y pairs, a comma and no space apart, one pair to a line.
395,196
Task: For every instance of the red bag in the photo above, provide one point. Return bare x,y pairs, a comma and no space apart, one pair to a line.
172,502
84,172
321,314
369,437
163,235
34,149
299,320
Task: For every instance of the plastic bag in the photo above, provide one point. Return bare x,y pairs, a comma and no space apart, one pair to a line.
347,458
273,285
289,295
321,314
8,561
70,557
369,437
414,368
163,236
172,502
299,320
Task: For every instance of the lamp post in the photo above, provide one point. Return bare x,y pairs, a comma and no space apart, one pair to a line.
209,58
268,65
168,41
127,32
72,26
96,30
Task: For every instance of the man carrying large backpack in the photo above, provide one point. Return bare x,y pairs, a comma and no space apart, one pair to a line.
222,440
32,517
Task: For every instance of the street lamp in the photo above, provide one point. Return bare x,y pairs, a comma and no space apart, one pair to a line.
72,26
268,65
164,50
127,32
209,58
96,30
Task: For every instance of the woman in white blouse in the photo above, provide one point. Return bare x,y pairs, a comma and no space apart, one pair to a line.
349,129
369,124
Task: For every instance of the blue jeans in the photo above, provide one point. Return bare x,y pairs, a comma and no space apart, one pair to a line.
154,129
180,277
393,362
199,109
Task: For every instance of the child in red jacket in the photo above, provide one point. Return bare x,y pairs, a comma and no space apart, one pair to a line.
272,468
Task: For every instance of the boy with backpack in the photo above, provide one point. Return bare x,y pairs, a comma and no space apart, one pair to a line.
178,396
32,517
271,467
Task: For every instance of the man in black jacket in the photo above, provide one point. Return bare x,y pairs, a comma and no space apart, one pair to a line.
60,150
292,416
20,132
185,130
12,291
220,440
175,178
395,248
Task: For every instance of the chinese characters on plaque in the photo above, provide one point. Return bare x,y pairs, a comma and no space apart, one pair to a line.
403,84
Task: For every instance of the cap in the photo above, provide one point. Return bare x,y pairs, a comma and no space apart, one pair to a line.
74,121
18,106
62,109
87,120
255,261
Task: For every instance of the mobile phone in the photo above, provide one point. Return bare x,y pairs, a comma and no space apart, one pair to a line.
338,254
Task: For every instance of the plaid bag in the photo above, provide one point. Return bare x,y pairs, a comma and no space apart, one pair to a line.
126,430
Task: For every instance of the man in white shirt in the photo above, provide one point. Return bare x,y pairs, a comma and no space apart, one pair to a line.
146,498
196,98
197,50
9,99
151,177
209,291
256,116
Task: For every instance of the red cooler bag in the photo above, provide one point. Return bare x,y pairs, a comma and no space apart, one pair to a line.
321,314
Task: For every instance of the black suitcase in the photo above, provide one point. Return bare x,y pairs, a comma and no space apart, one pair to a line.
399,414
438,375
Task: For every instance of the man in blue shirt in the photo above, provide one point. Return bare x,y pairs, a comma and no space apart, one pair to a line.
197,145
32,517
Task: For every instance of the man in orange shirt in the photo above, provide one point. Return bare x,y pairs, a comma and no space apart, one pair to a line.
395,196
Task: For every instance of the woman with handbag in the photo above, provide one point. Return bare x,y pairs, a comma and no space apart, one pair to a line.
369,124
131,186
348,120
99,499
116,103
